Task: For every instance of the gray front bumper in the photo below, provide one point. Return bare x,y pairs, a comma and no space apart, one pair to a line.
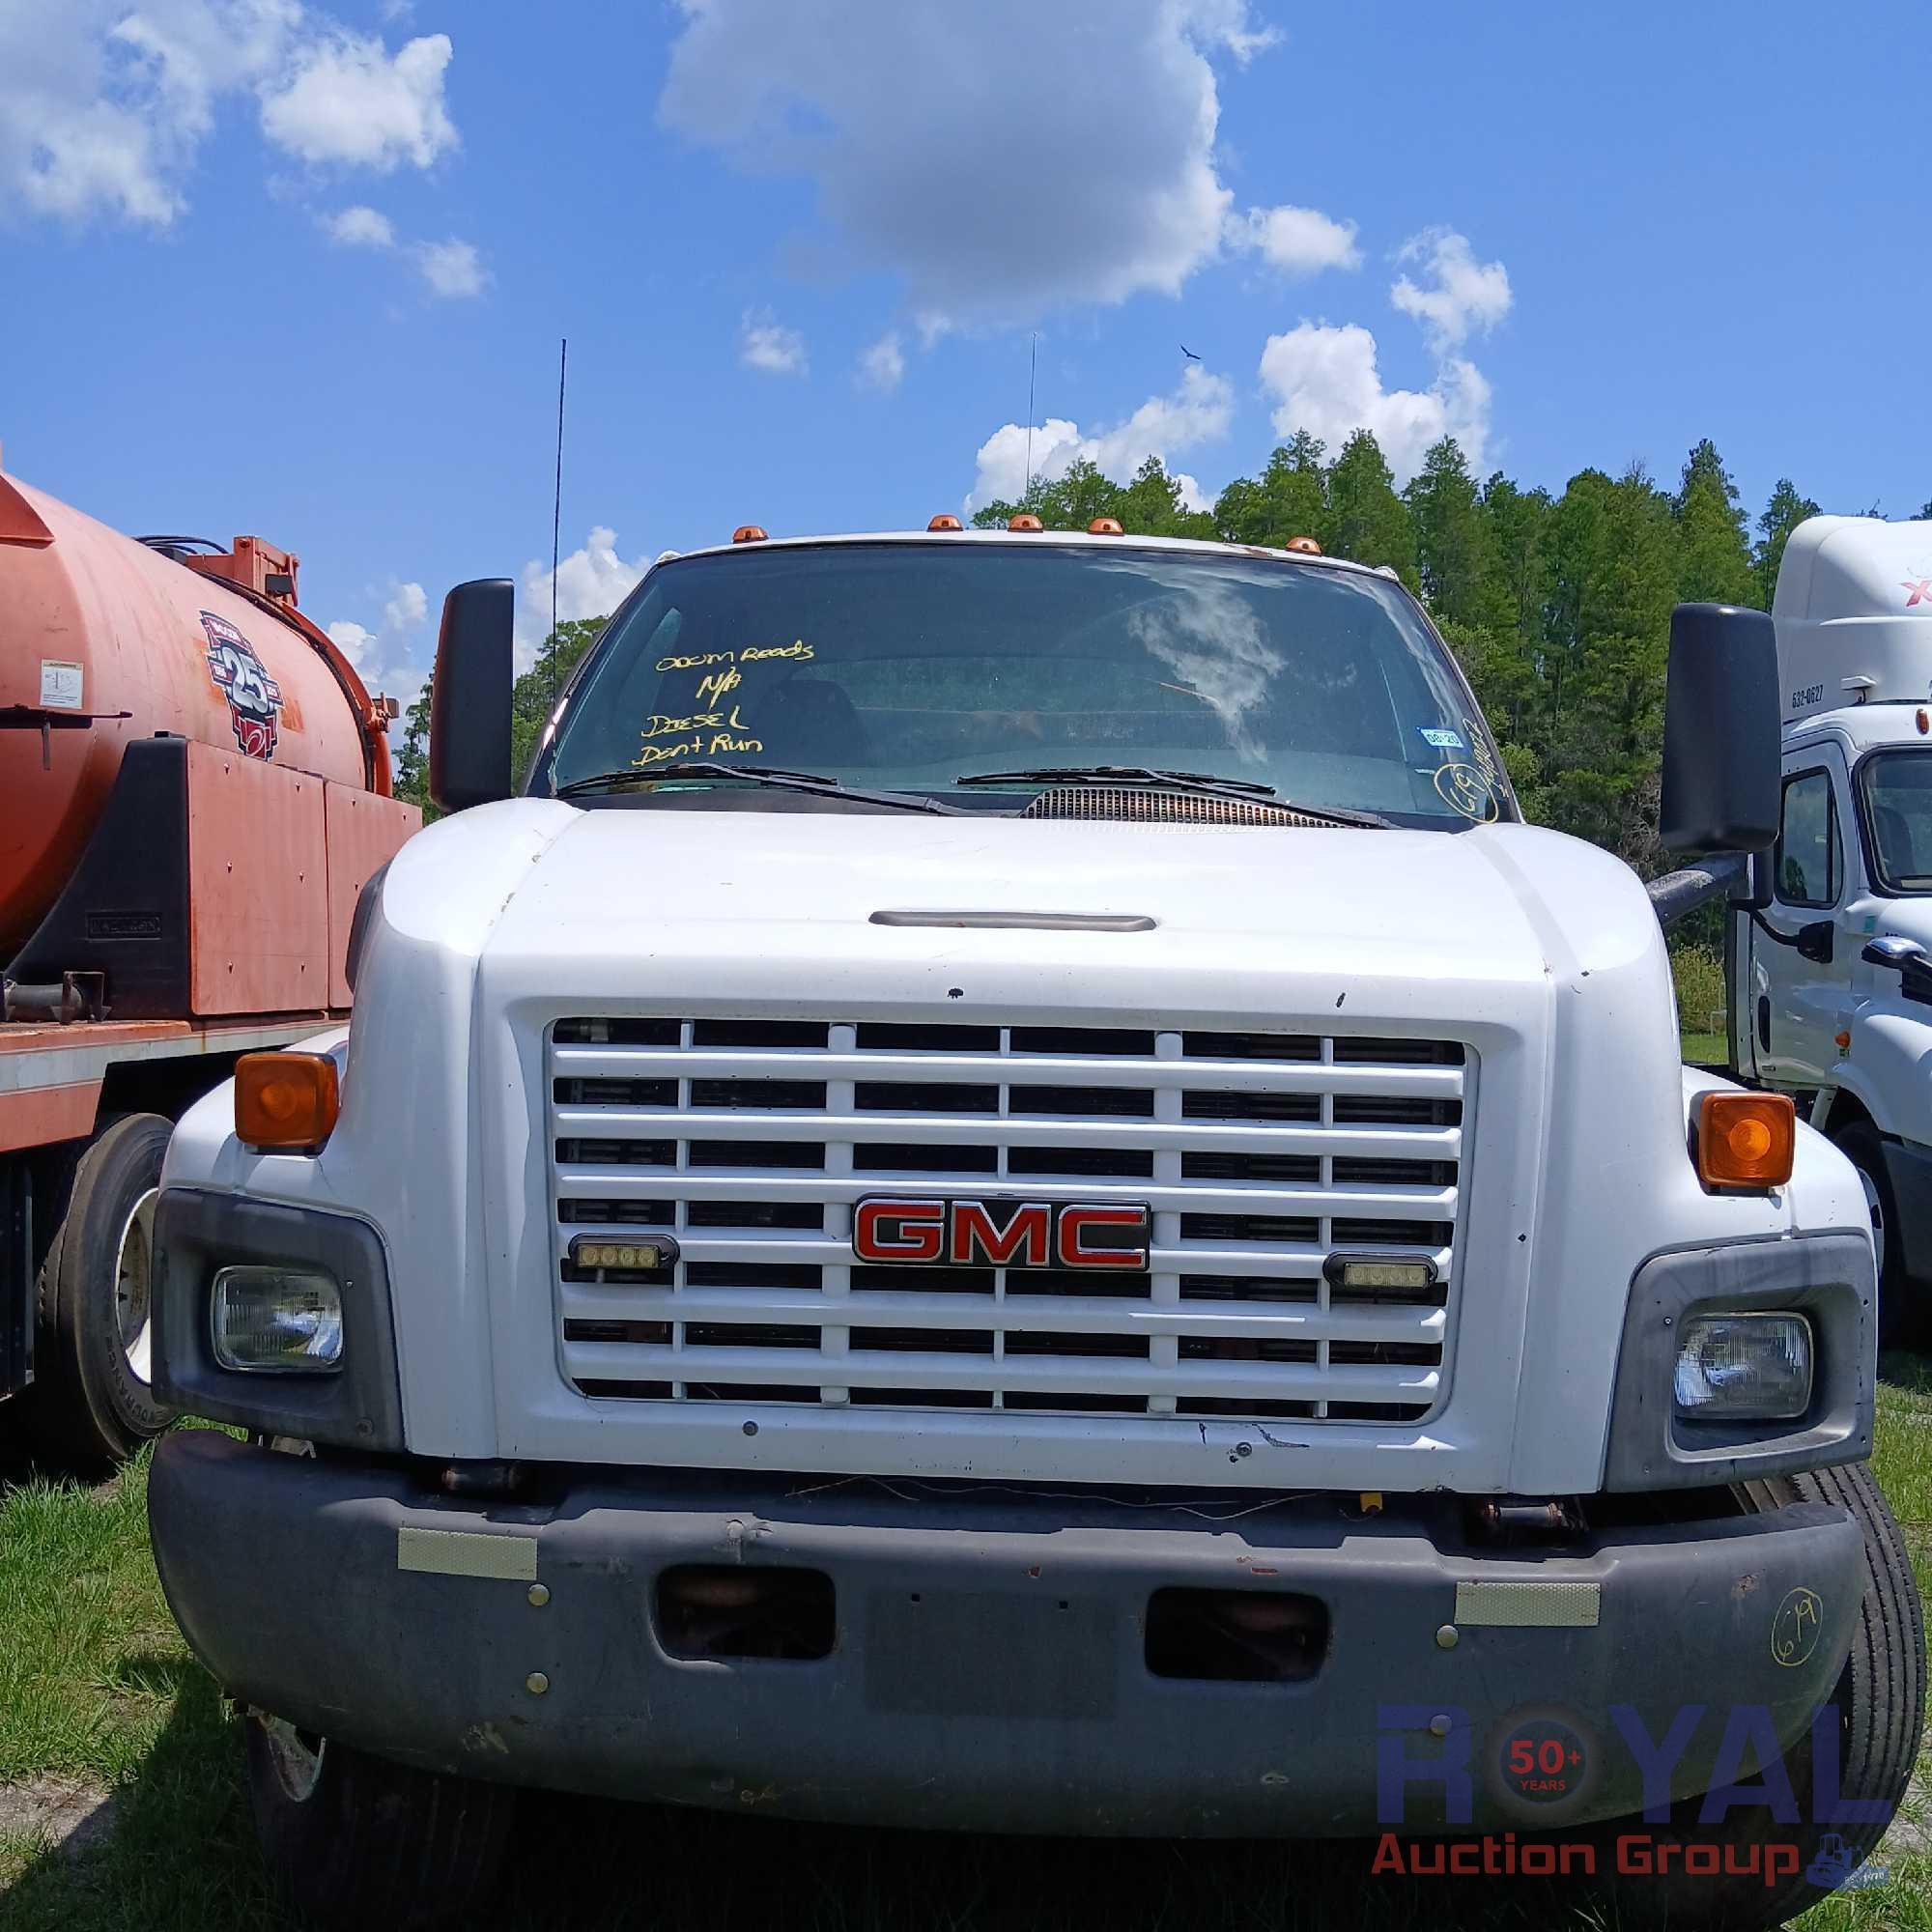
988,1670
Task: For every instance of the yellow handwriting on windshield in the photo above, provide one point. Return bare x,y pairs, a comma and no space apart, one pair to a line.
696,747
716,684
659,726
798,650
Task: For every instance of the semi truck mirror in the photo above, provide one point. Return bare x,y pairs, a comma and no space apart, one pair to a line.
1898,953
470,700
1813,942
1720,731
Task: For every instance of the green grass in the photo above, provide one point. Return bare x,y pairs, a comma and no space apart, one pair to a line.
96,1684
1704,1050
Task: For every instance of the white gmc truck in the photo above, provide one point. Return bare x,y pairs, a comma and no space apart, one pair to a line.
1829,963
1010,1196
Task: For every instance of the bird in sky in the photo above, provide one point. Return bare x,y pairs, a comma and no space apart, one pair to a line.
1189,353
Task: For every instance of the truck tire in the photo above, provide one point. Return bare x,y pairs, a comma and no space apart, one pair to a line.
354,1840
1861,1144
90,1405
1880,1702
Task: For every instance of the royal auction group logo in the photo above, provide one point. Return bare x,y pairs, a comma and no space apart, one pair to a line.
254,697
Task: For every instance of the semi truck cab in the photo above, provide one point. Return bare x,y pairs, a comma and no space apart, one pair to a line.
1830,954
1010,1195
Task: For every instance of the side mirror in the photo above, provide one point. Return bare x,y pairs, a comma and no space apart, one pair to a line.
470,701
1813,942
1890,950
1913,962
1721,725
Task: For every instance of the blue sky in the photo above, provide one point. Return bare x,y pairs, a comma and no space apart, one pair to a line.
300,270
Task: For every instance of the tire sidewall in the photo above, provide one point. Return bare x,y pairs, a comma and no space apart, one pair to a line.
1861,1144
124,1163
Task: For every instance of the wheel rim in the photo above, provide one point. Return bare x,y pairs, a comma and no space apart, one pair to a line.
133,1287
296,1756
1875,1207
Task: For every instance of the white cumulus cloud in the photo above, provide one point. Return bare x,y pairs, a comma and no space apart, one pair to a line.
1197,412
1002,157
1295,241
349,103
407,608
1325,381
451,268
360,228
590,582
355,641
384,657
768,346
105,105
1464,295
882,366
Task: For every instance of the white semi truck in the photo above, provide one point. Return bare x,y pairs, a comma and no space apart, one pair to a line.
1829,958
1012,1196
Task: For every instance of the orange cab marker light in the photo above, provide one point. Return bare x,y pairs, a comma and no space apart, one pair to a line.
748,533
1746,1140
1105,526
1306,544
1025,520
943,521
285,1102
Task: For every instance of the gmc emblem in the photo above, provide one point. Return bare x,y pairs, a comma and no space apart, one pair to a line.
930,1231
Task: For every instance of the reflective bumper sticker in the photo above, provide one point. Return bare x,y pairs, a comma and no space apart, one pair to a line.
469,1552
1524,1606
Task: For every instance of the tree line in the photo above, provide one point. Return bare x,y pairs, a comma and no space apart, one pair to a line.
1557,605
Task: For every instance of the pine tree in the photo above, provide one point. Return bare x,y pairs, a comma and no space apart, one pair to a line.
1288,500
1455,550
1370,521
1714,562
1782,515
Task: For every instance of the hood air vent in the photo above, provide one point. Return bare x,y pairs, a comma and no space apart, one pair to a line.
1148,806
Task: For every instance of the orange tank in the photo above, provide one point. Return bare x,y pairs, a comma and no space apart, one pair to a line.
104,641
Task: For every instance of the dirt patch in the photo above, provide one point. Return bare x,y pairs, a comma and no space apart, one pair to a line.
74,1818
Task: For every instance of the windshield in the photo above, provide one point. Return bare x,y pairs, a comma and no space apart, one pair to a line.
912,666
1898,790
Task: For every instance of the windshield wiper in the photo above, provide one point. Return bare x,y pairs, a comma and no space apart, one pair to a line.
775,775
1204,784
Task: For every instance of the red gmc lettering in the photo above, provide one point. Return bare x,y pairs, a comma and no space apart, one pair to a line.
977,1239
1078,1223
899,1231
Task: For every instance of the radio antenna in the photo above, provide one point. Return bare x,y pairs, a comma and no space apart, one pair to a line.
1033,370
557,508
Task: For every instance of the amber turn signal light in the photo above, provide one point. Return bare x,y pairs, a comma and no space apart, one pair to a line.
945,521
748,533
285,1102
1746,1140
1025,520
1105,526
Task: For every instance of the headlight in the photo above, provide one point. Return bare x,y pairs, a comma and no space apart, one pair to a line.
1745,1368
277,1318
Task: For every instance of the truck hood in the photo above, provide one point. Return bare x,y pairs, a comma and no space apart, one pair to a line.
1499,903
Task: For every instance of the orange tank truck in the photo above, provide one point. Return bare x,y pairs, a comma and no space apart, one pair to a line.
194,789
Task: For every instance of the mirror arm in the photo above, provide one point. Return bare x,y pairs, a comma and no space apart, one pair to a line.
1677,894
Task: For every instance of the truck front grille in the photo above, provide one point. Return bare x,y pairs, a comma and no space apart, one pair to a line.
1259,1154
